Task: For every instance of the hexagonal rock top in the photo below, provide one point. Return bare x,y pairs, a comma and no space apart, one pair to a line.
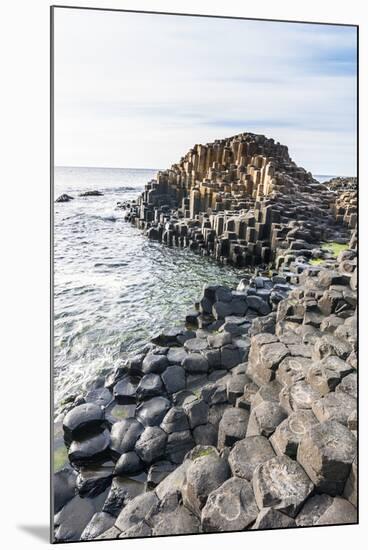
326,453
230,507
281,483
247,454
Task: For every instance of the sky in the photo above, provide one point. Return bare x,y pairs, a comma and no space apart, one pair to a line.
139,90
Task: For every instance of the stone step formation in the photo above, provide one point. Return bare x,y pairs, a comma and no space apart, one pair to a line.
244,201
245,418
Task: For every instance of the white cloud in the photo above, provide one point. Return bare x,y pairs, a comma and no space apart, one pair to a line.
138,90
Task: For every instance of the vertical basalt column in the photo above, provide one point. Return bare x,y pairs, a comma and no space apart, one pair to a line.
195,202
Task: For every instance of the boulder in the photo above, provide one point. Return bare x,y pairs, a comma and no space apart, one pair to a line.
349,385
72,519
335,406
175,420
330,344
64,198
282,484
150,386
83,419
326,453
205,474
247,454
125,390
269,518
325,375
138,530
257,304
136,510
287,436
90,449
196,411
231,507
206,434
179,521
232,427
265,418
151,444
299,396
195,345
128,464
195,363
98,524
174,379
124,435
178,444
154,363
64,487
93,480
292,370
158,472
122,491
93,193
231,356
326,510
152,412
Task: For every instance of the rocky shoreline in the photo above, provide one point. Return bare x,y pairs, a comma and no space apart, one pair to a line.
246,418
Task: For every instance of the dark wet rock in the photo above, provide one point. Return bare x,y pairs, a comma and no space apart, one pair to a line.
154,363
232,427
231,507
176,356
180,521
93,480
195,363
174,379
64,198
196,411
99,396
151,444
269,518
287,436
213,358
265,418
335,406
64,487
216,413
82,419
158,472
71,520
326,510
135,364
205,474
152,412
178,444
99,523
247,454
93,193
149,386
125,390
206,434
175,420
259,305
124,435
326,453
230,356
122,490
128,464
281,483
195,381
90,449
136,510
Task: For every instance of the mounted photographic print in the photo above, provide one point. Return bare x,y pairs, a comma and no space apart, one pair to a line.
204,209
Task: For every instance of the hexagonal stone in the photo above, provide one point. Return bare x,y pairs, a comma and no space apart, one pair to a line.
152,412
214,393
128,464
136,510
158,472
151,444
179,521
205,474
349,385
174,379
149,386
269,518
196,411
82,419
267,392
299,396
205,435
325,375
335,406
73,517
90,449
195,345
330,344
247,454
138,530
122,490
230,507
235,387
351,485
176,356
154,363
124,435
195,363
93,480
271,355
232,427
281,483
219,340
292,369
326,510
230,356
265,418
216,413
178,444
175,420
287,436
125,390
326,453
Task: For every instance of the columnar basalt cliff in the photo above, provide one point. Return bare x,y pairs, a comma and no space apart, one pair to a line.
242,200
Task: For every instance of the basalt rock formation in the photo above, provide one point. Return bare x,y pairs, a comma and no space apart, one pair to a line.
241,200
